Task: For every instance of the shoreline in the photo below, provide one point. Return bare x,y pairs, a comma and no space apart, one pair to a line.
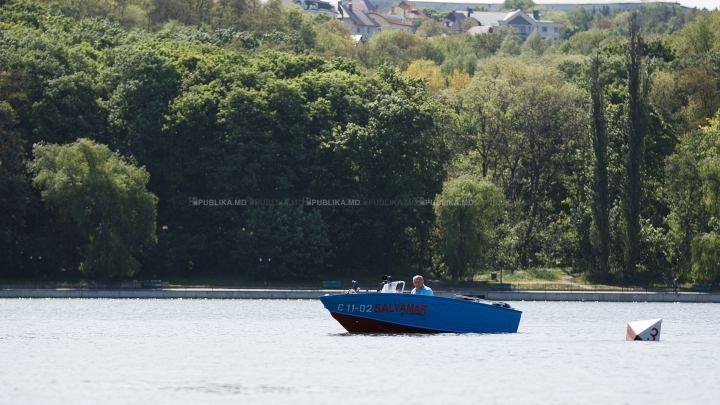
231,293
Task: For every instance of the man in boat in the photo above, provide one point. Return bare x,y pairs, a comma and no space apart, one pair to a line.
420,288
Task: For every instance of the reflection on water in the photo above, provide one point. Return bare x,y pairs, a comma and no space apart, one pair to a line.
255,352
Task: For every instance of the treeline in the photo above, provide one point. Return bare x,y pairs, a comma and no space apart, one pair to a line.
290,108
210,123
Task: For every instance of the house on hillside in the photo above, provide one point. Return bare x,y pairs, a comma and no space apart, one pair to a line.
365,6
485,18
454,20
365,19
359,23
389,22
408,10
526,24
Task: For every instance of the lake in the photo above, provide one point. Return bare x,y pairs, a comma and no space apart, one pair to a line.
103,351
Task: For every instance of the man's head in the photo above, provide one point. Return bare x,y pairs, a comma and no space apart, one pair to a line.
418,282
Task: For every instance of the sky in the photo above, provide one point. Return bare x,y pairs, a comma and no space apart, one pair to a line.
708,4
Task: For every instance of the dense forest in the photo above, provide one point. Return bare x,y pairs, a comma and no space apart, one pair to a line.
157,137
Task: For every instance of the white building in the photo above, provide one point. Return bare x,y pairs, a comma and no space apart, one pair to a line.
524,23
353,16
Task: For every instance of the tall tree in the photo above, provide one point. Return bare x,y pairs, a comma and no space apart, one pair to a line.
697,37
106,196
488,103
636,121
13,188
550,123
467,212
600,190
580,18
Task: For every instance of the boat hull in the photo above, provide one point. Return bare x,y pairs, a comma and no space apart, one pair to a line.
407,313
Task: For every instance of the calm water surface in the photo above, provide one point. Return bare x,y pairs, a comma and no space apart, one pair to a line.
76,351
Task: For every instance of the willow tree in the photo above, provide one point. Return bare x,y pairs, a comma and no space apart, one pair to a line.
705,253
705,246
467,212
105,195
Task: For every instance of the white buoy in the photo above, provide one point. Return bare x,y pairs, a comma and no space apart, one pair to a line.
648,330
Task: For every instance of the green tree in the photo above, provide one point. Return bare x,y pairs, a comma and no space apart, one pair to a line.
601,203
535,45
705,254
431,28
697,37
550,124
666,98
486,44
585,42
106,196
580,18
698,86
13,189
487,106
436,15
394,155
684,189
637,127
333,39
467,213
692,175
511,45
302,24
522,127
394,47
228,13
128,13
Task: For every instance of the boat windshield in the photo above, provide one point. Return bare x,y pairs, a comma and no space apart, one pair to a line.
394,287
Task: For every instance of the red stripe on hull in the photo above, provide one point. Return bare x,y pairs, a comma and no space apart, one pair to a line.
354,324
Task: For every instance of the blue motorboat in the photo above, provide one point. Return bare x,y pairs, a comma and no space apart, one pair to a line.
392,311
